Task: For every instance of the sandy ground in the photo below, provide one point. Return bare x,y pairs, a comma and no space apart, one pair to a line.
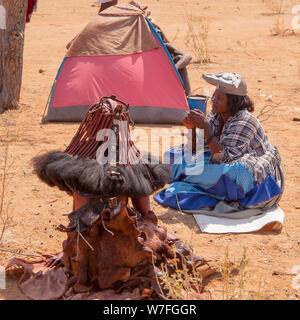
239,41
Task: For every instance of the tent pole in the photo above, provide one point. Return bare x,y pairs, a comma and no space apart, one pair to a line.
47,104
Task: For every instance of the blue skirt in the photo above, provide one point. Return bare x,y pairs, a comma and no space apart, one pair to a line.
204,184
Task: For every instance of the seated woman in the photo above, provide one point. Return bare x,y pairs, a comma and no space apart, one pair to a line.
242,169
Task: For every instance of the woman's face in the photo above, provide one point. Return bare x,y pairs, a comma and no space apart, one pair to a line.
219,102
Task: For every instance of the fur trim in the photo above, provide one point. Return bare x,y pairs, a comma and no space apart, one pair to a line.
87,176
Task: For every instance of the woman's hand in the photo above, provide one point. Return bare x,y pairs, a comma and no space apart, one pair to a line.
195,118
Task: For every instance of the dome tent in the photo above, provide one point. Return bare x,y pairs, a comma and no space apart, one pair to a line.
118,53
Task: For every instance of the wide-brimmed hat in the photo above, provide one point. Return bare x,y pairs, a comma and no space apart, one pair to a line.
227,82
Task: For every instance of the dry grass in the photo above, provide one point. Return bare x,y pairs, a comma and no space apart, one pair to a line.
275,6
279,27
182,283
235,282
5,169
197,38
276,10
267,111
174,38
232,290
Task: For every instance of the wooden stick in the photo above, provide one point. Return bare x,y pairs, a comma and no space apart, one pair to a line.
266,113
22,254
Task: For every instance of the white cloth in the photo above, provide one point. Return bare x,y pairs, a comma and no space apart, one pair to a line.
209,224
234,223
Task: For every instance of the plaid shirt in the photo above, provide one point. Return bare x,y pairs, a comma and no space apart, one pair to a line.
244,140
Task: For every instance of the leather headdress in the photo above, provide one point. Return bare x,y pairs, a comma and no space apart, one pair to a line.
95,163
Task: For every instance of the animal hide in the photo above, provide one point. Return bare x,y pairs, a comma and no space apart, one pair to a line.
110,251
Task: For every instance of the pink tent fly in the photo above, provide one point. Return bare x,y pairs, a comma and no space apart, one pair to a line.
118,53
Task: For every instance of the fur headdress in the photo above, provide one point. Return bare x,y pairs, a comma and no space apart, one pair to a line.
101,158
